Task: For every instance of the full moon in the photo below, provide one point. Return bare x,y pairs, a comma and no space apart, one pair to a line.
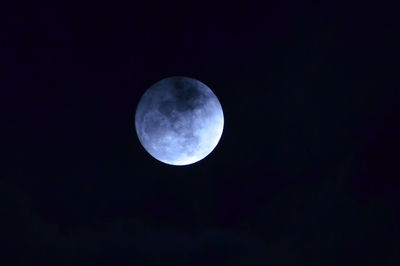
179,120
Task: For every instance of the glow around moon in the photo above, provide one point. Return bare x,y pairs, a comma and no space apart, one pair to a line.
179,120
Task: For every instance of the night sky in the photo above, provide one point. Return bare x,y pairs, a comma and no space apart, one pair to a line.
306,171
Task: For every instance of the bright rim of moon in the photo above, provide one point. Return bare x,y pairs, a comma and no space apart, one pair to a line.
179,120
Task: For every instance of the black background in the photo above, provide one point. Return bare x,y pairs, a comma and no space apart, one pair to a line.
306,172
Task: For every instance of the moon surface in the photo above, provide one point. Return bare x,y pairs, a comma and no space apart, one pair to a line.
179,120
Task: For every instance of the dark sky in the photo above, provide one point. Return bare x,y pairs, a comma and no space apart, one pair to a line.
306,172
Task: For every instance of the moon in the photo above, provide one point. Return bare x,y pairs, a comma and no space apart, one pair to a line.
179,120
